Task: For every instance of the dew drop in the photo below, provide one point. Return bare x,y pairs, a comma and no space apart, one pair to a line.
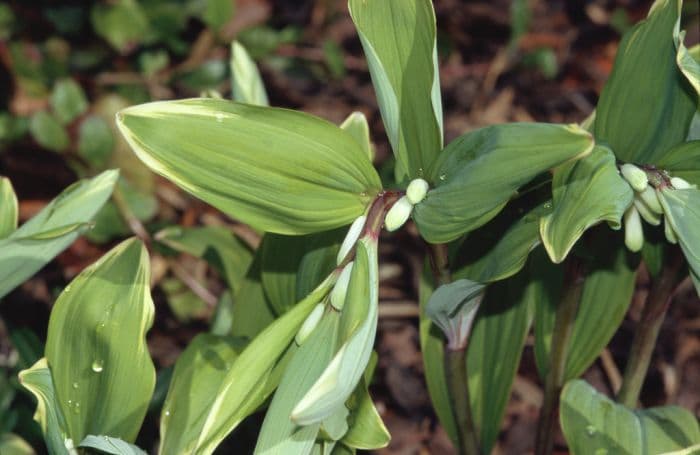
443,177
97,366
70,403
167,413
590,430
67,289
363,194
76,409
75,385
219,118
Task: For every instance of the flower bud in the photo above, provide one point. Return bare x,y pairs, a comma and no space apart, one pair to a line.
680,184
309,324
649,216
351,237
636,177
340,290
634,235
651,199
416,191
669,232
398,214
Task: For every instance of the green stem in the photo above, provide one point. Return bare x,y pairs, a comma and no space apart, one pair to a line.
647,330
455,367
554,381
456,376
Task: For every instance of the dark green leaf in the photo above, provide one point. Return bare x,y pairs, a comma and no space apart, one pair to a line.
48,132
68,100
683,161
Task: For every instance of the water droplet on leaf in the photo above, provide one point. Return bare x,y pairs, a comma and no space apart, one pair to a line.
590,430
97,366
75,385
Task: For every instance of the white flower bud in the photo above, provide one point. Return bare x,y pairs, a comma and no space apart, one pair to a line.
340,290
651,199
398,214
649,215
309,324
634,235
351,237
636,177
669,232
680,184
416,191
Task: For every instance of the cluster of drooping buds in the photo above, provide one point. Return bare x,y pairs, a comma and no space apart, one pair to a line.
399,213
646,204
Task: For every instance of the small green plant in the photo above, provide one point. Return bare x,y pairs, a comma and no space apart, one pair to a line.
521,224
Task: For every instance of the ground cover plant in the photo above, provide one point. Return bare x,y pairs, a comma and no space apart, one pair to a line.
528,228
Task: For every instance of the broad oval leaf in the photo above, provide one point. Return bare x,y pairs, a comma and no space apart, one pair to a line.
402,58
480,171
37,380
52,230
199,371
96,346
593,423
246,84
683,161
278,170
8,208
645,69
682,211
585,192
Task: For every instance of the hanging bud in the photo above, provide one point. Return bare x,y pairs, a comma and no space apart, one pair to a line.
669,232
649,216
340,290
636,177
416,191
351,237
680,184
309,324
398,214
651,199
634,235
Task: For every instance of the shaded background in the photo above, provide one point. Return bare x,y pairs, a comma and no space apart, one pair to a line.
66,67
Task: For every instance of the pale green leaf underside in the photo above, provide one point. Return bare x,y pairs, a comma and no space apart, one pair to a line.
585,193
592,423
682,210
398,38
200,370
480,171
37,380
96,347
246,84
8,208
278,170
52,230
109,445
645,69
356,125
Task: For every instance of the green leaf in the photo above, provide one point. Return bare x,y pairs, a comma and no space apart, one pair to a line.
585,192
11,444
293,266
96,345
683,161
37,380
687,62
30,247
278,170
452,307
199,371
495,347
243,387
9,208
279,434
122,24
356,125
48,132
68,100
645,69
113,446
489,254
682,211
402,58
221,321
480,171
606,296
95,141
217,245
592,423
218,12
251,311
246,84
